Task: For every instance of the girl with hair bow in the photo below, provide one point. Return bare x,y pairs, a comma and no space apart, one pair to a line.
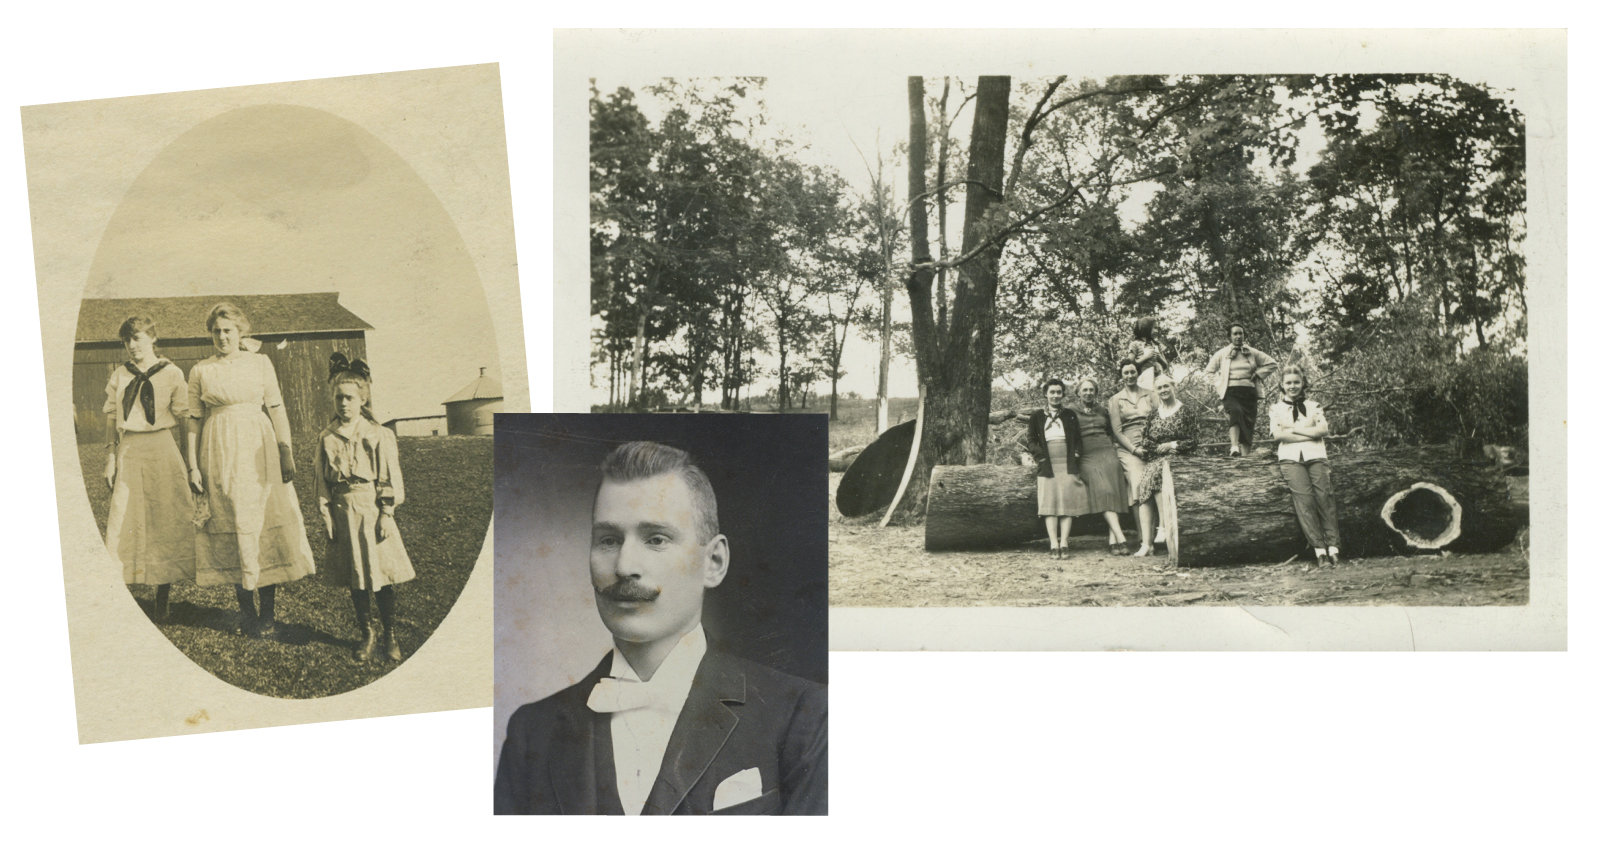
358,487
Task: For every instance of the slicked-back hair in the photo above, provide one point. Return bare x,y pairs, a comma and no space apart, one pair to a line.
641,460
230,312
136,325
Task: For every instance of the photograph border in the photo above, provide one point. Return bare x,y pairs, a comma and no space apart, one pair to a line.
1531,63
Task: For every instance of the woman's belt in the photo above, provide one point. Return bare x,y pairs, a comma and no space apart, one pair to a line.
214,410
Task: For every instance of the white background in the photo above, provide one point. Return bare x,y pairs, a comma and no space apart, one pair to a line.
1095,753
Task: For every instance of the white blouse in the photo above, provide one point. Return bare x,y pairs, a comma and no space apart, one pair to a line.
172,400
1283,417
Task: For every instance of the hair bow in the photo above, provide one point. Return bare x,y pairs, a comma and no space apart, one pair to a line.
338,363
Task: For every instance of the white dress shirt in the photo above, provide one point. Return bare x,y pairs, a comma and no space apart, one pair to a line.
639,736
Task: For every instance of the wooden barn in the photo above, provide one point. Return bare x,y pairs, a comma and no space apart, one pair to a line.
298,332
471,411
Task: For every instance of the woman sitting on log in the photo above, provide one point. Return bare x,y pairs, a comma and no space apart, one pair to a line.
1106,491
1173,429
1056,447
1146,354
1130,408
1298,425
1239,374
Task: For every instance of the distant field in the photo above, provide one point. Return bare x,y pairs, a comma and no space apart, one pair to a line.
449,498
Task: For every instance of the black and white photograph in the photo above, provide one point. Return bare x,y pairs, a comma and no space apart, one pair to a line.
284,368
661,615
1163,340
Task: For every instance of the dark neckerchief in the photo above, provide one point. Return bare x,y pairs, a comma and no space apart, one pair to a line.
1297,406
143,389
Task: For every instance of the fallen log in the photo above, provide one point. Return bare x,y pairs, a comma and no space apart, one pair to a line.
1239,510
991,506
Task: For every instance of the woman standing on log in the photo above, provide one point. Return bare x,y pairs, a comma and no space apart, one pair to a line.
1146,353
1056,446
1172,430
1239,374
1130,409
1107,491
1298,425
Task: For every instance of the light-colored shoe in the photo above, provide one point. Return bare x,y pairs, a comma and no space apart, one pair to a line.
1144,551
1161,536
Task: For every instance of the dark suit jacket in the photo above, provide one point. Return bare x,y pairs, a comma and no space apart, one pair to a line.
1041,453
557,756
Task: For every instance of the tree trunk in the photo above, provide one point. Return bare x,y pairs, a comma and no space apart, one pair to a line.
636,384
955,365
1239,510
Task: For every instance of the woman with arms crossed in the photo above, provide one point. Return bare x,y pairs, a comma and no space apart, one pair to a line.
1299,425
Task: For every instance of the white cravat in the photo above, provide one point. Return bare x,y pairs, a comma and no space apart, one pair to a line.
644,713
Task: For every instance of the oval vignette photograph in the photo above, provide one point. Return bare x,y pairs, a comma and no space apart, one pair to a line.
284,380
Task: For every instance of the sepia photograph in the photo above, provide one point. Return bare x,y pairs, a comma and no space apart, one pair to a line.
705,604
284,367
1129,340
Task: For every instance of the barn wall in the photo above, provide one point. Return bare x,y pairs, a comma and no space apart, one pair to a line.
302,367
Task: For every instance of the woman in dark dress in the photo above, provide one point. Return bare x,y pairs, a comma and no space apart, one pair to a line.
1107,490
1056,446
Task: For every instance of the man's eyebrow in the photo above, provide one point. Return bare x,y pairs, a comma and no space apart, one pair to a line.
642,525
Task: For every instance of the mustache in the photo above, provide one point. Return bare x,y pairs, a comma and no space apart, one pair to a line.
628,590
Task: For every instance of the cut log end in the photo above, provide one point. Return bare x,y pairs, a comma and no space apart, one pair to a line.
1425,515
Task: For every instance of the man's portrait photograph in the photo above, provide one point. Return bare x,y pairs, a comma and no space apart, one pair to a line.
686,672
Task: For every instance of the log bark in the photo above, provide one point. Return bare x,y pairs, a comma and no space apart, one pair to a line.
991,506
1239,510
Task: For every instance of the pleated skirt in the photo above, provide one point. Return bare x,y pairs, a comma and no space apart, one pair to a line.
356,559
151,530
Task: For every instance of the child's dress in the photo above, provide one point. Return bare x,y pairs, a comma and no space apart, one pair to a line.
358,474
150,530
255,535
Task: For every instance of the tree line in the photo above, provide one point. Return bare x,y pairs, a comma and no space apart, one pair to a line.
713,242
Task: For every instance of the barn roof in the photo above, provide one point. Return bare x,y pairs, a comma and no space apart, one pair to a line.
184,316
482,387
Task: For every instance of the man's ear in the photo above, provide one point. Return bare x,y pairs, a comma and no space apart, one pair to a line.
716,560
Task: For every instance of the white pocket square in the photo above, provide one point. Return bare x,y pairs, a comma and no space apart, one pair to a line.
738,788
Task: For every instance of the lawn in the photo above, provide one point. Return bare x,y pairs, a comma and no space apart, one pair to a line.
449,498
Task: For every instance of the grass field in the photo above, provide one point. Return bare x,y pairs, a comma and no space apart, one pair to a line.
449,498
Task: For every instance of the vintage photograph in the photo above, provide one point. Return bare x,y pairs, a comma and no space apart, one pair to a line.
686,671
1128,340
284,366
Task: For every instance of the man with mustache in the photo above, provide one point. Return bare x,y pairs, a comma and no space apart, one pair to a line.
664,725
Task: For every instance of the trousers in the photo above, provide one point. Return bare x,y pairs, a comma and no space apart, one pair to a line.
1311,486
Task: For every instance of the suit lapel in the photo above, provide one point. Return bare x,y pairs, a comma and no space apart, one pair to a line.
573,754
702,729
